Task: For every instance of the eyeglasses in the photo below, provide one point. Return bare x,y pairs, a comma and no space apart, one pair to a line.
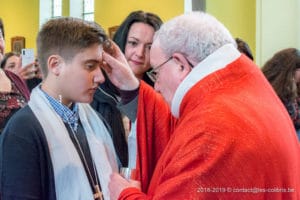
152,74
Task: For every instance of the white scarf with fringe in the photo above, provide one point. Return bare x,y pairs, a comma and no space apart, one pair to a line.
70,177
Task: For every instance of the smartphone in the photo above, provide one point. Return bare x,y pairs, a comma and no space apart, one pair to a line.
27,56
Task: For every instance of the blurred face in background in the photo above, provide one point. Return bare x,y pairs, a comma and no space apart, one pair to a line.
13,64
137,48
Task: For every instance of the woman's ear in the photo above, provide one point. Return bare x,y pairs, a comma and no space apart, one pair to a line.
54,64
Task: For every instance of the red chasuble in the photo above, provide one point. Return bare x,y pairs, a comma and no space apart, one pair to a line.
155,123
233,140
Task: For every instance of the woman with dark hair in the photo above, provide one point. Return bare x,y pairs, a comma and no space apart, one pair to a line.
283,72
11,62
14,93
134,37
127,39
30,73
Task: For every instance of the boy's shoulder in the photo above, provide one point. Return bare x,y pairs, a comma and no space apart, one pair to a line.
23,121
23,115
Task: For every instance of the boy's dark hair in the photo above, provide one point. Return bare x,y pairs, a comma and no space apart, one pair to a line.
66,36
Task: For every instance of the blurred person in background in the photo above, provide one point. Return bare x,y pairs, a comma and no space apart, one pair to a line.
283,72
30,73
14,93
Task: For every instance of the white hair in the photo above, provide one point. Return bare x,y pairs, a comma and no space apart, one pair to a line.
196,35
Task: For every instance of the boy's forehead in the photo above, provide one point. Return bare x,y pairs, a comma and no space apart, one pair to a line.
94,50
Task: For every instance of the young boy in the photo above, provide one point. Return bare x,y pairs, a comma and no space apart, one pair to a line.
57,147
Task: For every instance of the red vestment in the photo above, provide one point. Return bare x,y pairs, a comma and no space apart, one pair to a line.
233,140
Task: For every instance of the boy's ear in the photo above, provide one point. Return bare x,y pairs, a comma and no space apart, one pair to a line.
54,64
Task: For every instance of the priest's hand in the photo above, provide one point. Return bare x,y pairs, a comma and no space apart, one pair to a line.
118,70
117,184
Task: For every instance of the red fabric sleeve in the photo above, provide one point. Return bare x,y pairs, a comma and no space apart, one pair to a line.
154,125
132,193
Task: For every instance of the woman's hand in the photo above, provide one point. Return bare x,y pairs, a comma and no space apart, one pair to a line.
32,70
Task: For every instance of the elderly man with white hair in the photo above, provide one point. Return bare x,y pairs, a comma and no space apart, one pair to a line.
221,131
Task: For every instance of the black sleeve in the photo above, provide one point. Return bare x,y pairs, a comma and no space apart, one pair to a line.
23,159
129,103
105,104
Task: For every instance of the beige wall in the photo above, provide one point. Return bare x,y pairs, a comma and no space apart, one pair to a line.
21,17
278,27
238,16
112,12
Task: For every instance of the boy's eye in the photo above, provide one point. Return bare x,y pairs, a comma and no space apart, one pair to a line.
91,65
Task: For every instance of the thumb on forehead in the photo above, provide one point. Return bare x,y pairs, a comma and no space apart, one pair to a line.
108,60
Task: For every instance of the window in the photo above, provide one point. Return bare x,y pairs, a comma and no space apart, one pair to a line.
88,10
56,8
83,9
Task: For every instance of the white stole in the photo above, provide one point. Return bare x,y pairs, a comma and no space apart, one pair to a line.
132,146
70,177
214,62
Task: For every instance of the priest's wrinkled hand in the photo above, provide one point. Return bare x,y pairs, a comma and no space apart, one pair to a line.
118,70
117,184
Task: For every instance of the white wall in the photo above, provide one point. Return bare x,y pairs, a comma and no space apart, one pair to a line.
277,27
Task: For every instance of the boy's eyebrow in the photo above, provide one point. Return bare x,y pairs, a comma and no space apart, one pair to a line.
92,60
